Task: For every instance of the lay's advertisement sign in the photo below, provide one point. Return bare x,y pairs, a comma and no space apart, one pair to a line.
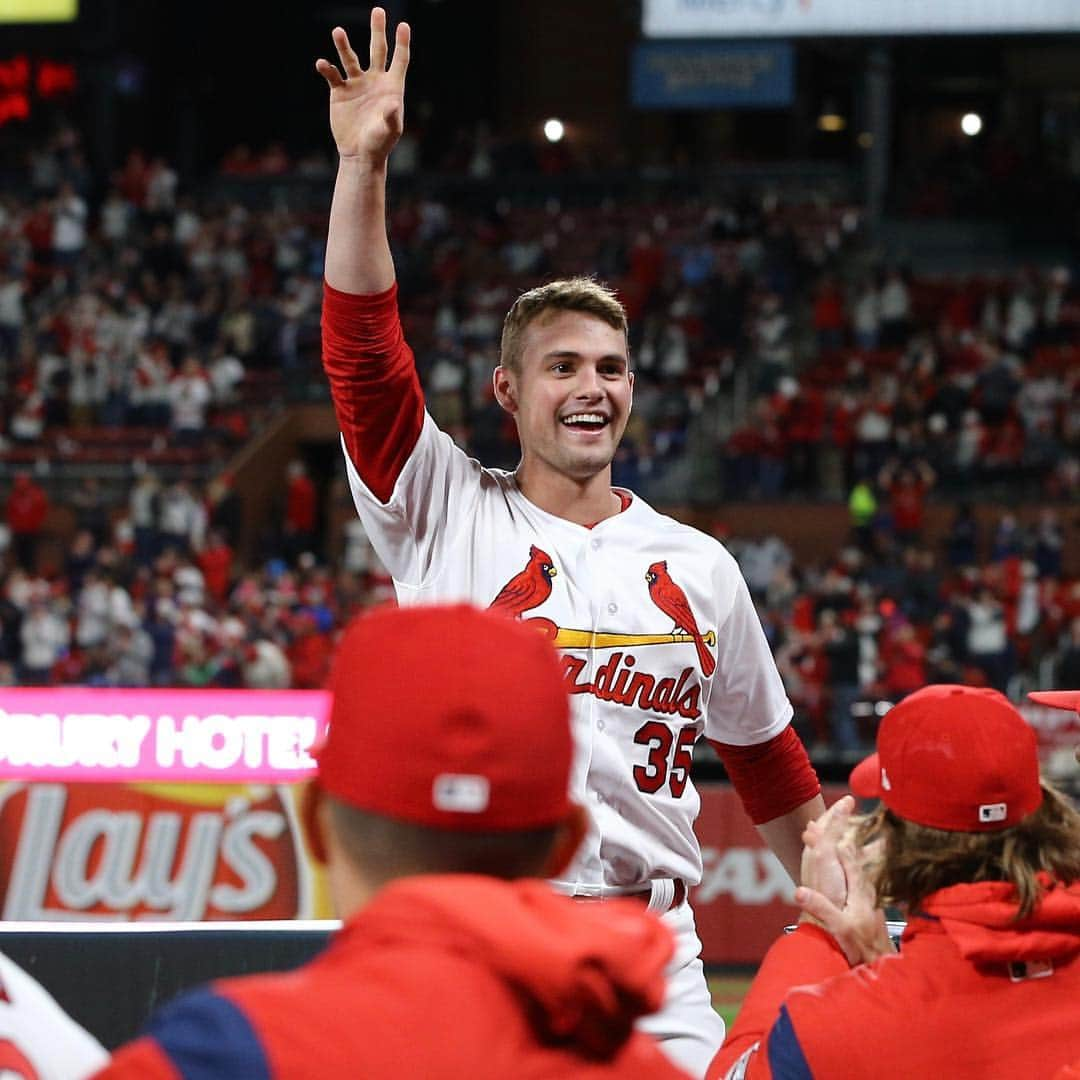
157,804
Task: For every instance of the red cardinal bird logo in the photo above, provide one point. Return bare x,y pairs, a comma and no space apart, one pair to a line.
671,600
528,589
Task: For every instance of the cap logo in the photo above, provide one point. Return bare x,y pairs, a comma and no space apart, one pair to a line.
998,811
886,784
461,793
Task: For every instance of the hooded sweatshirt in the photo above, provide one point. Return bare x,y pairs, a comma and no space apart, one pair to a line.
449,976
973,993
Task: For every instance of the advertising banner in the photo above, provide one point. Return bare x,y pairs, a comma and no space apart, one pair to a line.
174,852
829,18
744,900
676,75
95,734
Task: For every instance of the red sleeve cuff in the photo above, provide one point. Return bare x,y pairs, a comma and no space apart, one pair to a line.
373,382
772,778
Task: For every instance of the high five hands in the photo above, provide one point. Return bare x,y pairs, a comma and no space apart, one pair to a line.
835,892
367,108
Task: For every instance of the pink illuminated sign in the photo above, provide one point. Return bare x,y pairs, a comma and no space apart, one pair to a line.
222,736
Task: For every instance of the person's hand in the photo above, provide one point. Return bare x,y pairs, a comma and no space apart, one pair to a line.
821,869
854,920
367,108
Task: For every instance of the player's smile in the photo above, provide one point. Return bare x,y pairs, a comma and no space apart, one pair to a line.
586,423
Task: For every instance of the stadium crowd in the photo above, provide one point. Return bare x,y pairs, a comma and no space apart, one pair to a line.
774,360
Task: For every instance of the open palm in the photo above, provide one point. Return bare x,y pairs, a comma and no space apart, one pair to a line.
367,108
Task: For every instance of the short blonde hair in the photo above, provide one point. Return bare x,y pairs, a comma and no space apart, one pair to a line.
581,294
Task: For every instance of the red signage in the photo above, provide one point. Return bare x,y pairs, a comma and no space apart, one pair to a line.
19,75
183,853
744,900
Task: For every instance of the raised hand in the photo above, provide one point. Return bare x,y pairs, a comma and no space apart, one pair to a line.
367,108
849,910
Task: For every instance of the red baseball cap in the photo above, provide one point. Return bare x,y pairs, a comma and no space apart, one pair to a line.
960,758
1057,699
449,717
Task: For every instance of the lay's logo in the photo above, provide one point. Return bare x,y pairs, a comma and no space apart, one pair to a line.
142,851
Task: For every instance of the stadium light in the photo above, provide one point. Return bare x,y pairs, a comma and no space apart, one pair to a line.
971,123
554,130
831,119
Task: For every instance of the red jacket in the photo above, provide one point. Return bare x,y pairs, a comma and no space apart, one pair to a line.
972,995
457,977
301,504
27,506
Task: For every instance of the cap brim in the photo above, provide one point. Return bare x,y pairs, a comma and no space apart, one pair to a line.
865,780
1057,699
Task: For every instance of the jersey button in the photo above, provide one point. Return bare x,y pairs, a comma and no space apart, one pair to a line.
600,725
600,797
594,544
612,608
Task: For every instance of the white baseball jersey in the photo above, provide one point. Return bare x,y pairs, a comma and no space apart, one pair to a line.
38,1040
642,607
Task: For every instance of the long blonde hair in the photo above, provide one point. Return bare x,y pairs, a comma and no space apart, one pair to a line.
918,860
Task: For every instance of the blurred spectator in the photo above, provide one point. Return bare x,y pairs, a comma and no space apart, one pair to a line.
866,317
988,639
144,507
841,646
189,398
907,487
215,560
301,509
44,637
12,312
1067,658
181,518
25,513
69,227
962,542
224,510
895,302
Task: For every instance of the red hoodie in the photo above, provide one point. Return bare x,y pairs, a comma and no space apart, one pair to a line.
462,977
972,995
27,506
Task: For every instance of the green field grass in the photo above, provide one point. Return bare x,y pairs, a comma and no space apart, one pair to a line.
728,992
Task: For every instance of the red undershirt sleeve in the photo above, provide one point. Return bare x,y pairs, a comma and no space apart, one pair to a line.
771,778
373,382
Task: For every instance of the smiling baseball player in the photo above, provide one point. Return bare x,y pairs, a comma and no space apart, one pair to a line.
661,643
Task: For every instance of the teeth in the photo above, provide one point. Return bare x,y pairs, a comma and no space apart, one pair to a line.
585,418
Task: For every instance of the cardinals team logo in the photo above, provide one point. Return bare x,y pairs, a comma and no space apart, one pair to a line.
529,588
671,600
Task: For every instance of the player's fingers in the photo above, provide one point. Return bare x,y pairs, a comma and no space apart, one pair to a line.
402,47
349,60
330,73
378,40
817,905
859,887
835,820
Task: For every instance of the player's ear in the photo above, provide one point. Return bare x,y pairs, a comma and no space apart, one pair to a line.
568,839
505,386
312,820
